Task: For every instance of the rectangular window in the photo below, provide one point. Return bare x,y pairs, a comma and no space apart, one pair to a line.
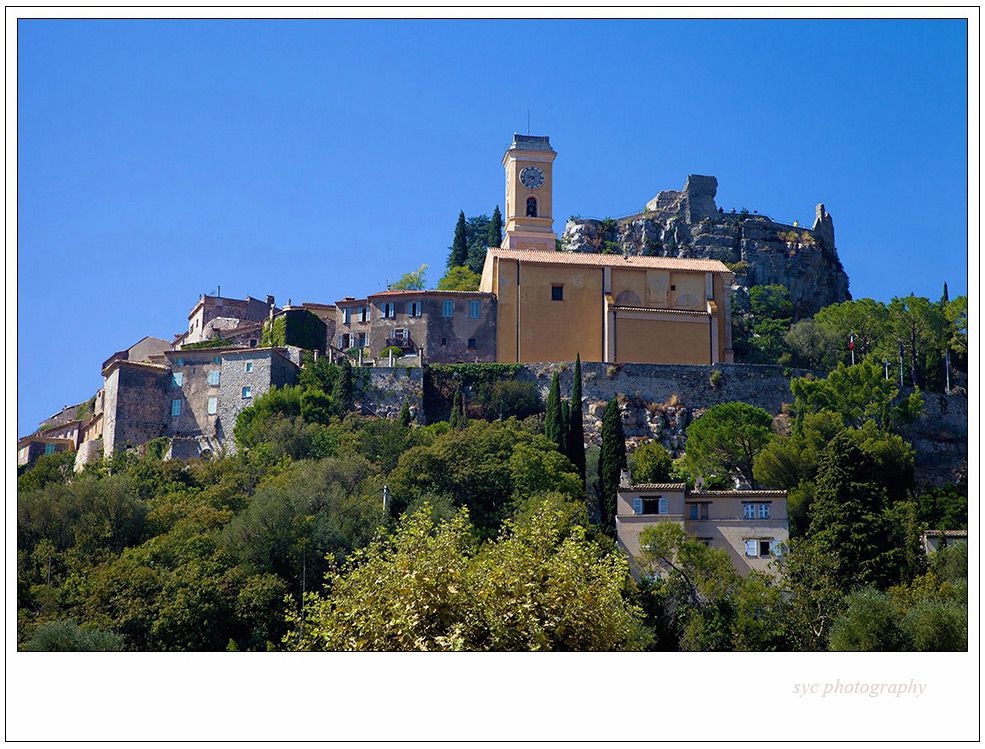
214,377
362,340
213,405
177,379
764,548
249,366
752,547
655,506
749,511
764,512
176,407
179,362
447,308
346,316
471,343
217,360
387,309
49,449
247,392
444,341
253,343
557,293
414,309
363,314
474,310
399,335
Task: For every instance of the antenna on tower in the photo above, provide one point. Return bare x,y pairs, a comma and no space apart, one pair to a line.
528,121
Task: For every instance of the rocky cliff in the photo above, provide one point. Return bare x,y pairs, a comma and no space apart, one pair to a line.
760,251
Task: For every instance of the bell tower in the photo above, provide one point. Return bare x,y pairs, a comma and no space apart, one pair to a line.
529,225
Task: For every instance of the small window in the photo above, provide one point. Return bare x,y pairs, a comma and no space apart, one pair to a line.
248,392
444,341
474,310
249,366
253,343
213,405
363,314
178,379
49,449
749,511
532,207
179,362
447,308
764,512
557,293
217,360
214,377
764,548
673,287
362,340
706,542
388,309
414,309
471,343
176,407
346,316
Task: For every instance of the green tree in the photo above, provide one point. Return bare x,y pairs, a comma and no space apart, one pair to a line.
412,281
563,438
869,622
612,459
552,417
459,278
405,417
477,233
576,432
650,463
495,236
67,636
858,394
849,517
726,440
342,393
431,587
459,250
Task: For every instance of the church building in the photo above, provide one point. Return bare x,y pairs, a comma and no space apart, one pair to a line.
552,305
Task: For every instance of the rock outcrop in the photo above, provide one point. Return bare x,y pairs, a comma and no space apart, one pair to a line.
687,223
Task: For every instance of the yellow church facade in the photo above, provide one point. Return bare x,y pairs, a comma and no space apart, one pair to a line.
554,305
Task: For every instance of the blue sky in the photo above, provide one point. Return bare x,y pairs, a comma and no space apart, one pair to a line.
306,159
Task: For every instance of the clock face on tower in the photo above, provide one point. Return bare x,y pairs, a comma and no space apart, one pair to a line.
531,177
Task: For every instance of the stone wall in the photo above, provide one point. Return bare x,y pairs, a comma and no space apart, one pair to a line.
137,403
660,401
267,368
384,390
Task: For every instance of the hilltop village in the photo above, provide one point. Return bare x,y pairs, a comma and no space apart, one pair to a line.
634,315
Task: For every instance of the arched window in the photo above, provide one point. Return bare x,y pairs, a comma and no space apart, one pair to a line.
532,206
628,298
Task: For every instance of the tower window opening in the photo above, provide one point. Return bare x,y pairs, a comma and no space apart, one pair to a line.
532,207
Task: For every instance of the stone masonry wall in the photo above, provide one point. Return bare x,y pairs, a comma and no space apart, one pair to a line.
384,390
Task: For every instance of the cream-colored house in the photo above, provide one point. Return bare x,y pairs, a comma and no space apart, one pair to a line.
749,524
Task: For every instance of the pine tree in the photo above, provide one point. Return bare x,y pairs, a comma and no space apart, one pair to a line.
459,254
342,395
495,237
612,460
552,416
576,429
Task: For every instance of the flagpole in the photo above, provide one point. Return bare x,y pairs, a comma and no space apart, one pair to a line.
851,346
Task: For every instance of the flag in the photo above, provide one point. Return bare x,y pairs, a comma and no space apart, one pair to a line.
851,341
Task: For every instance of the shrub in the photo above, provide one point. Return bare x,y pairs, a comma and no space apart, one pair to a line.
67,636
715,378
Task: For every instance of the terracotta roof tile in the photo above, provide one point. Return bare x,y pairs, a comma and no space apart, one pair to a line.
667,487
613,261
431,292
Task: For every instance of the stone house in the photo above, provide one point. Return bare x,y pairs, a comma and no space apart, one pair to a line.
191,396
751,525
443,326
352,326
142,350
32,447
213,314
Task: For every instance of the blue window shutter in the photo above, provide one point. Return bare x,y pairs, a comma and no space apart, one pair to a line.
662,505
637,506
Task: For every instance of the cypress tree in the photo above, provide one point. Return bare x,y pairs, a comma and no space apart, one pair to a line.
405,418
456,407
463,419
576,429
495,236
342,395
565,428
552,416
612,460
459,254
